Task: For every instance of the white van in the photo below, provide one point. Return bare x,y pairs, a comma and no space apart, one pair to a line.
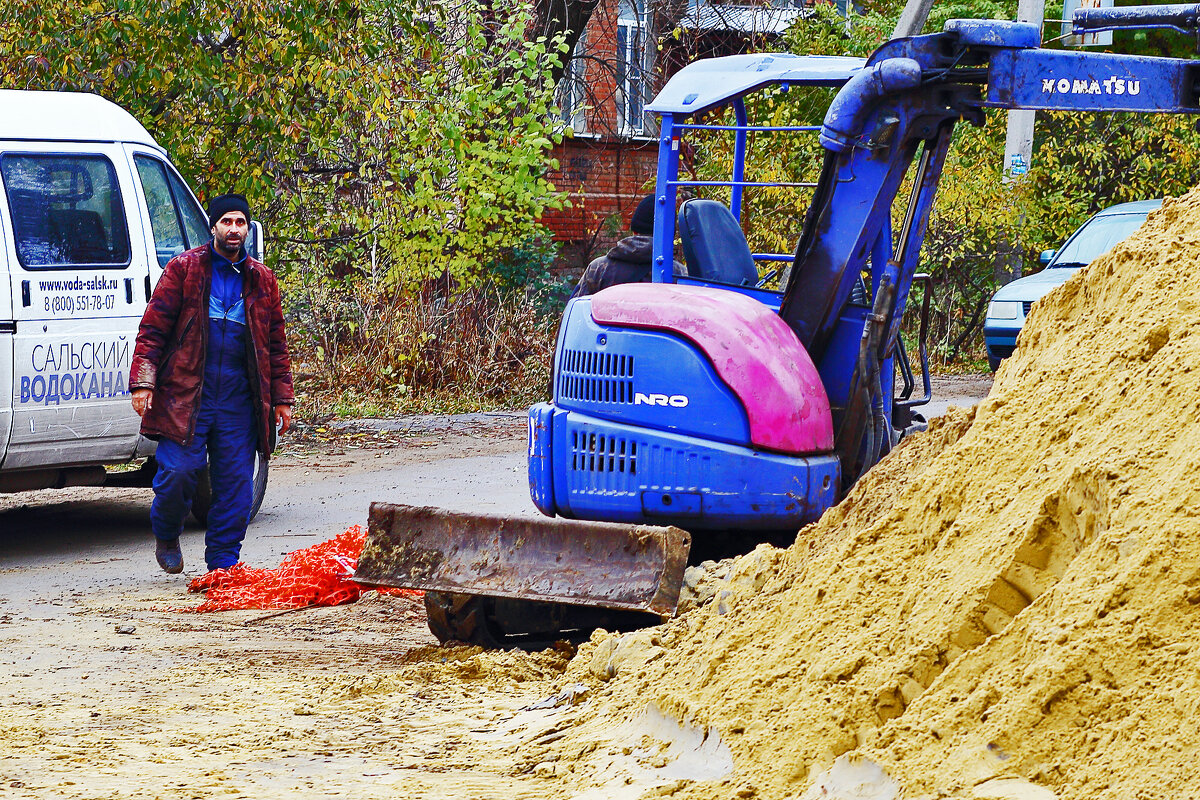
91,210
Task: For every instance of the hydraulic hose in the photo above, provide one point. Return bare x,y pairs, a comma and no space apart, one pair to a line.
869,366
864,391
844,119
885,440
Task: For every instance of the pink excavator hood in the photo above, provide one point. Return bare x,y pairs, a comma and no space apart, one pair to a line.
752,350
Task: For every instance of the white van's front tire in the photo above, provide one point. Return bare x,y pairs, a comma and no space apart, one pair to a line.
202,499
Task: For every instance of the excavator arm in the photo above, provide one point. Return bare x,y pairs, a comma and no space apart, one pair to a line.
903,106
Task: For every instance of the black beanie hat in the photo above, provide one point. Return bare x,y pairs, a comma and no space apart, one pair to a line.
220,206
642,220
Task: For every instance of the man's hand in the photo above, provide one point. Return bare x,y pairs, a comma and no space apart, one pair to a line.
142,401
283,418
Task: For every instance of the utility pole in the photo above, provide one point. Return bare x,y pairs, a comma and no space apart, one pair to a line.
912,18
1018,145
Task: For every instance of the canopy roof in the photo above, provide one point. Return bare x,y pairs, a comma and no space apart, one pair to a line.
713,82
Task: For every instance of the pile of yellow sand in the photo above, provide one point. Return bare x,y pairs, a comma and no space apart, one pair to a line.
1008,606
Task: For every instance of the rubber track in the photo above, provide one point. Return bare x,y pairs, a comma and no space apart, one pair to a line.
462,618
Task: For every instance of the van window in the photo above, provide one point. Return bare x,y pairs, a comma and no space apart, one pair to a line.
66,210
195,222
164,219
175,220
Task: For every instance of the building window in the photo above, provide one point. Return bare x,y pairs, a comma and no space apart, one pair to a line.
572,92
631,73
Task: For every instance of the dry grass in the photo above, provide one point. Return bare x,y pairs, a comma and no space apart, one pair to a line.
424,351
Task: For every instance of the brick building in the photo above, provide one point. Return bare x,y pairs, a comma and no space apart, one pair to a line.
609,162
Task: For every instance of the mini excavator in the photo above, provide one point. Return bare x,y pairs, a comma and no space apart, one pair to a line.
742,399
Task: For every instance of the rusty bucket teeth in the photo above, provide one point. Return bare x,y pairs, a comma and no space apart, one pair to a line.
635,567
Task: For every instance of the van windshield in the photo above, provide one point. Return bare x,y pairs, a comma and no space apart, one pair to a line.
1096,238
66,210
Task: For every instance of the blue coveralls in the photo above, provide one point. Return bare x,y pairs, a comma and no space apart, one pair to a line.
225,433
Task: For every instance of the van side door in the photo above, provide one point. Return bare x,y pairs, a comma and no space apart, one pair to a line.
8,326
77,292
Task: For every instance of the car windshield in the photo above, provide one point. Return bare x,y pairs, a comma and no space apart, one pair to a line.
1096,238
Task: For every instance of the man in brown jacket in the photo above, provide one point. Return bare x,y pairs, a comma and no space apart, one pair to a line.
212,380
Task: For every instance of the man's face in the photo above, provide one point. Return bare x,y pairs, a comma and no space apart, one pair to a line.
230,231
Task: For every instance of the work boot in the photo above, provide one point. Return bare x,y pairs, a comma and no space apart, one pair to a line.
168,555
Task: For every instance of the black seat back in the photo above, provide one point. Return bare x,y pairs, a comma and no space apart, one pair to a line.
31,225
79,233
713,244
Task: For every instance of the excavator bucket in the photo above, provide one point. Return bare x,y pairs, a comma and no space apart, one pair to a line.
632,567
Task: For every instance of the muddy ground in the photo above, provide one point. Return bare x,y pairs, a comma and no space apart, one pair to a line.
109,690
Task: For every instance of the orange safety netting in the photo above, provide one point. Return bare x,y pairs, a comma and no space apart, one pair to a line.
314,576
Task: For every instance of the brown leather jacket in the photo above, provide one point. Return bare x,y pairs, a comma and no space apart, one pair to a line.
173,337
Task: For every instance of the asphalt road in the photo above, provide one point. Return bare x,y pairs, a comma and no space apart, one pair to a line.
56,541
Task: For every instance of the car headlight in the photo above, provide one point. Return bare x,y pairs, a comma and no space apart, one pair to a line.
1004,309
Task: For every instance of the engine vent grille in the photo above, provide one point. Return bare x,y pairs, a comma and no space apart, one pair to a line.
1028,304
597,452
592,377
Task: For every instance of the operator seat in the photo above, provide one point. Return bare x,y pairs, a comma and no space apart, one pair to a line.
713,244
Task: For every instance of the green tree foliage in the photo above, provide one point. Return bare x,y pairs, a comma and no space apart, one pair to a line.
409,136
396,150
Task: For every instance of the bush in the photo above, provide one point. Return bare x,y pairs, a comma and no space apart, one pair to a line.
443,348
396,152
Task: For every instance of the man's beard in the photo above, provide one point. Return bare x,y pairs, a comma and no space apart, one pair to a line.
233,242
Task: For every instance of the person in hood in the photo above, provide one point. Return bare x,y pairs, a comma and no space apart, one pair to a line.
629,259
212,381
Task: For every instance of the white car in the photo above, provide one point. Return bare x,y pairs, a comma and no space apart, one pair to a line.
1011,304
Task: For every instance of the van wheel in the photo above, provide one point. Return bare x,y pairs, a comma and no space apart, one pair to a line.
202,499
260,485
